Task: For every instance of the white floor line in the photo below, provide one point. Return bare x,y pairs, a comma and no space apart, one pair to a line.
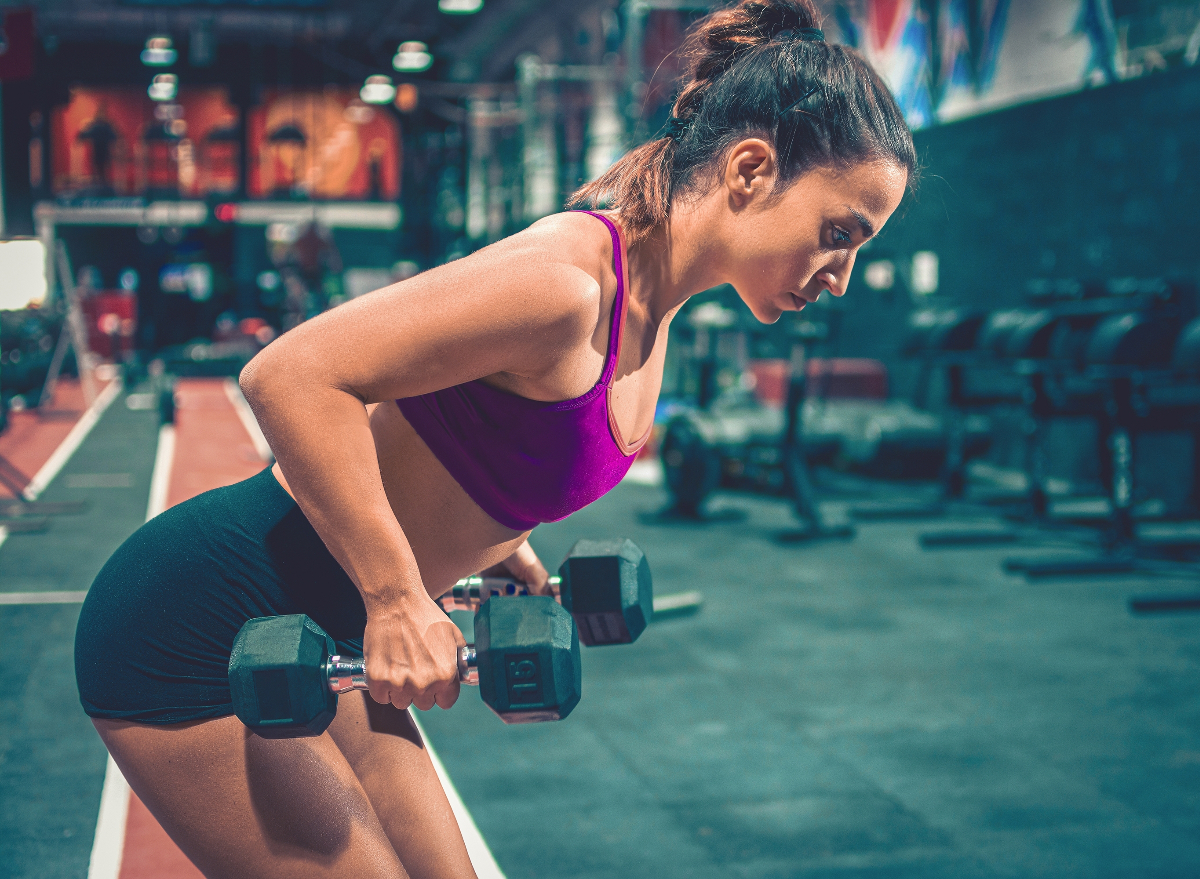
42,597
67,447
105,862
246,415
160,480
481,856
109,844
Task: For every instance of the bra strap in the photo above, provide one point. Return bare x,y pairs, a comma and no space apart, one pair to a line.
618,314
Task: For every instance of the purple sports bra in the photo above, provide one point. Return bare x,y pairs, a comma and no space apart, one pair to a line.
527,461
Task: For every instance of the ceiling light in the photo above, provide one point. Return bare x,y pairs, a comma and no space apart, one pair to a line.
159,52
460,7
164,87
413,57
377,89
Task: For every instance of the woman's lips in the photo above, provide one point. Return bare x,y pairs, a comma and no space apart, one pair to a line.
799,302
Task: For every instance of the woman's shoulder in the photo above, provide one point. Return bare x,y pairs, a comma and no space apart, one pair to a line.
563,260
577,245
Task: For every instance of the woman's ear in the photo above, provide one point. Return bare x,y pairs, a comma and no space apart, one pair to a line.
749,171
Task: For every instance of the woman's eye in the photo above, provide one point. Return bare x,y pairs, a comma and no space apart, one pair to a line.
841,236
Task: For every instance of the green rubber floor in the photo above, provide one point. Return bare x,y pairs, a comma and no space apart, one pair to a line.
848,709
51,761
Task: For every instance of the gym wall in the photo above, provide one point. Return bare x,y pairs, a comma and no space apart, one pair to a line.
1096,185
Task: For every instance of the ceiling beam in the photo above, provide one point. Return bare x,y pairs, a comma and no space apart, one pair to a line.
132,24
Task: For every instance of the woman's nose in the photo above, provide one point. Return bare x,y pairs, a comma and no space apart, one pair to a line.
837,275
833,281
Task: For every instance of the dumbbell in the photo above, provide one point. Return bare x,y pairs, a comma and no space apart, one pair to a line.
604,584
285,678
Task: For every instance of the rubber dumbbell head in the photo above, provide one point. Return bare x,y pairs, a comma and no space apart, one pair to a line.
528,655
606,586
278,677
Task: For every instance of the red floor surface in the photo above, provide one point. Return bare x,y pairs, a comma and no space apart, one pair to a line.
33,436
211,449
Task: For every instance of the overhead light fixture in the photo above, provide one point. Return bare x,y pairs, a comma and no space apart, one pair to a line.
460,7
378,89
164,87
413,57
159,52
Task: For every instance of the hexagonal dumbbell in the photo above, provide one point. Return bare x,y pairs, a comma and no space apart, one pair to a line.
285,677
605,584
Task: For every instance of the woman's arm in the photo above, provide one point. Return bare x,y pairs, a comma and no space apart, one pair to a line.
512,308
525,566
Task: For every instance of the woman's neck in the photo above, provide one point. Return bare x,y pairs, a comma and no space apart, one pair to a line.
673,263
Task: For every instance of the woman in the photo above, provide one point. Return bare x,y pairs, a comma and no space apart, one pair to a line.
423,430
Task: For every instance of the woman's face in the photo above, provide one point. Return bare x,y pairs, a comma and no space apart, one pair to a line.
792,248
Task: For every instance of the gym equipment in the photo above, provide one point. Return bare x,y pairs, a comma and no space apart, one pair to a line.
285,677
1164,603
739,442
1128,357
165,398
1042,348
604,584
466,595
73,334
946,342
1050,350
677,604
18,514
793,447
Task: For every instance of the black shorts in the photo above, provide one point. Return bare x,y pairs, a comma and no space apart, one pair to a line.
158,624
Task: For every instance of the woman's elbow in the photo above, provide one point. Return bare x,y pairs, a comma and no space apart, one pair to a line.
257,376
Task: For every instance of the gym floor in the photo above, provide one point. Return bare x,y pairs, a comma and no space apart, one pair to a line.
845,708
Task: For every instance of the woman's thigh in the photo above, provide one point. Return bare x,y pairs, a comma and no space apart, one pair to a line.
389,758
239,805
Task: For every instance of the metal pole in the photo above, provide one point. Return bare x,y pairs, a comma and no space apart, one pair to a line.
476,173
635,89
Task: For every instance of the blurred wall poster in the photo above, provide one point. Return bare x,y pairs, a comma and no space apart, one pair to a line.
322,144
948,59
117,142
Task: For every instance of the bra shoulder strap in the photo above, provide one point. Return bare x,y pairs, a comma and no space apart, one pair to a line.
618,312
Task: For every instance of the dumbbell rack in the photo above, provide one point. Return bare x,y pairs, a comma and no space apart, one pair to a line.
954,341
1129,357
1069,356
1042,348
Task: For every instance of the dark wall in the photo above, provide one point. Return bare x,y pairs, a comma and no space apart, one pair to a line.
1096,185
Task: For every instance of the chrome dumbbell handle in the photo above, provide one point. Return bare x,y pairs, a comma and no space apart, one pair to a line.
468,594
348,673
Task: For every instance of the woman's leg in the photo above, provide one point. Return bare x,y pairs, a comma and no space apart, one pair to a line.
385,750
241,806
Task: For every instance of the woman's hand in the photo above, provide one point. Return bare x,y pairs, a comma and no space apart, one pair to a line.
525,566
411,651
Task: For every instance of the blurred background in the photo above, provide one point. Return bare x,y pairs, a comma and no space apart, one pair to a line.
199,164
220,171
867,499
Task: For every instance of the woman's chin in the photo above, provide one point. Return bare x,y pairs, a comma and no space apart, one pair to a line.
767,314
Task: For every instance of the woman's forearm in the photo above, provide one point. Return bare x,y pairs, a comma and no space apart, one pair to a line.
322,438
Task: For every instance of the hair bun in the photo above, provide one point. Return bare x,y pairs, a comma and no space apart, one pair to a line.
783,19
803,34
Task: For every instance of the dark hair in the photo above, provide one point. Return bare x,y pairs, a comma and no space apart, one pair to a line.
750,70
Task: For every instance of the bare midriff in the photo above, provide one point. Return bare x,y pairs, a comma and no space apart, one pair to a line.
450,536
